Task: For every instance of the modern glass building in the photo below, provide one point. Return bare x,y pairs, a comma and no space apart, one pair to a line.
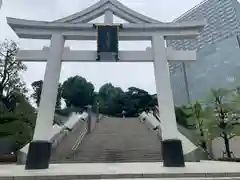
218,52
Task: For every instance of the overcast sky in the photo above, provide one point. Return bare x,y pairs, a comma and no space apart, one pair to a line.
120,74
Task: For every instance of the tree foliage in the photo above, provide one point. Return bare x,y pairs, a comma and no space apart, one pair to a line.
78,92
37,91
219,117
109,99
10,80
226,117
19,124
198,119
113,100
17,116
182,116
10,70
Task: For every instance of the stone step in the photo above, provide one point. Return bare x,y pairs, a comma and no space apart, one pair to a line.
147,160
108,157
116,140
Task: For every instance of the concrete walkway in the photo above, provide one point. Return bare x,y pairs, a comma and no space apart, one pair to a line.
202,170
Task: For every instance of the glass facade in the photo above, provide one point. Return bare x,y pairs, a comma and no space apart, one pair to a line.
218,52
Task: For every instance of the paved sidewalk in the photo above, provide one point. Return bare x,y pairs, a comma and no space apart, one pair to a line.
122,170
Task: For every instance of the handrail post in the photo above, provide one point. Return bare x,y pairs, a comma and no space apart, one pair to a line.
89,119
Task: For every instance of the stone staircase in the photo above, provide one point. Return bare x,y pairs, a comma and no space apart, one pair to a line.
118,140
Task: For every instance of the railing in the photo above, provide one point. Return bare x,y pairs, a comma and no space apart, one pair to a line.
75,120
187,136
152,123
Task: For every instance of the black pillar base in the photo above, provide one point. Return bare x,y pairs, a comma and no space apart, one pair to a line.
39,154
172,153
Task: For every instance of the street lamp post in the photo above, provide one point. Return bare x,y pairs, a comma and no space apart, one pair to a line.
98,111
123,114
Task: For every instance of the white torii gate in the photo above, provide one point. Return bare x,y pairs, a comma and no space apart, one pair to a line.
76,27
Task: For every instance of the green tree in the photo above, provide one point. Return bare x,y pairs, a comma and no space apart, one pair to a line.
225,117
141,98
113,101
106,91
19,125
78,92
59,96
17,116
199,119
10,70
153,103
138,100
182,116
109,98
37,91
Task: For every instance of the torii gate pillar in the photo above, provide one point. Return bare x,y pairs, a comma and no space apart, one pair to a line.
40,148
172,151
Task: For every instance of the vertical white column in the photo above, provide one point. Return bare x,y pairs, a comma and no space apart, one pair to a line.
164,90
43,128
108,17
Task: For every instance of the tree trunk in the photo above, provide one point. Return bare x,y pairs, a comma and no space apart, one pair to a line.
1,90
227,146
204,144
